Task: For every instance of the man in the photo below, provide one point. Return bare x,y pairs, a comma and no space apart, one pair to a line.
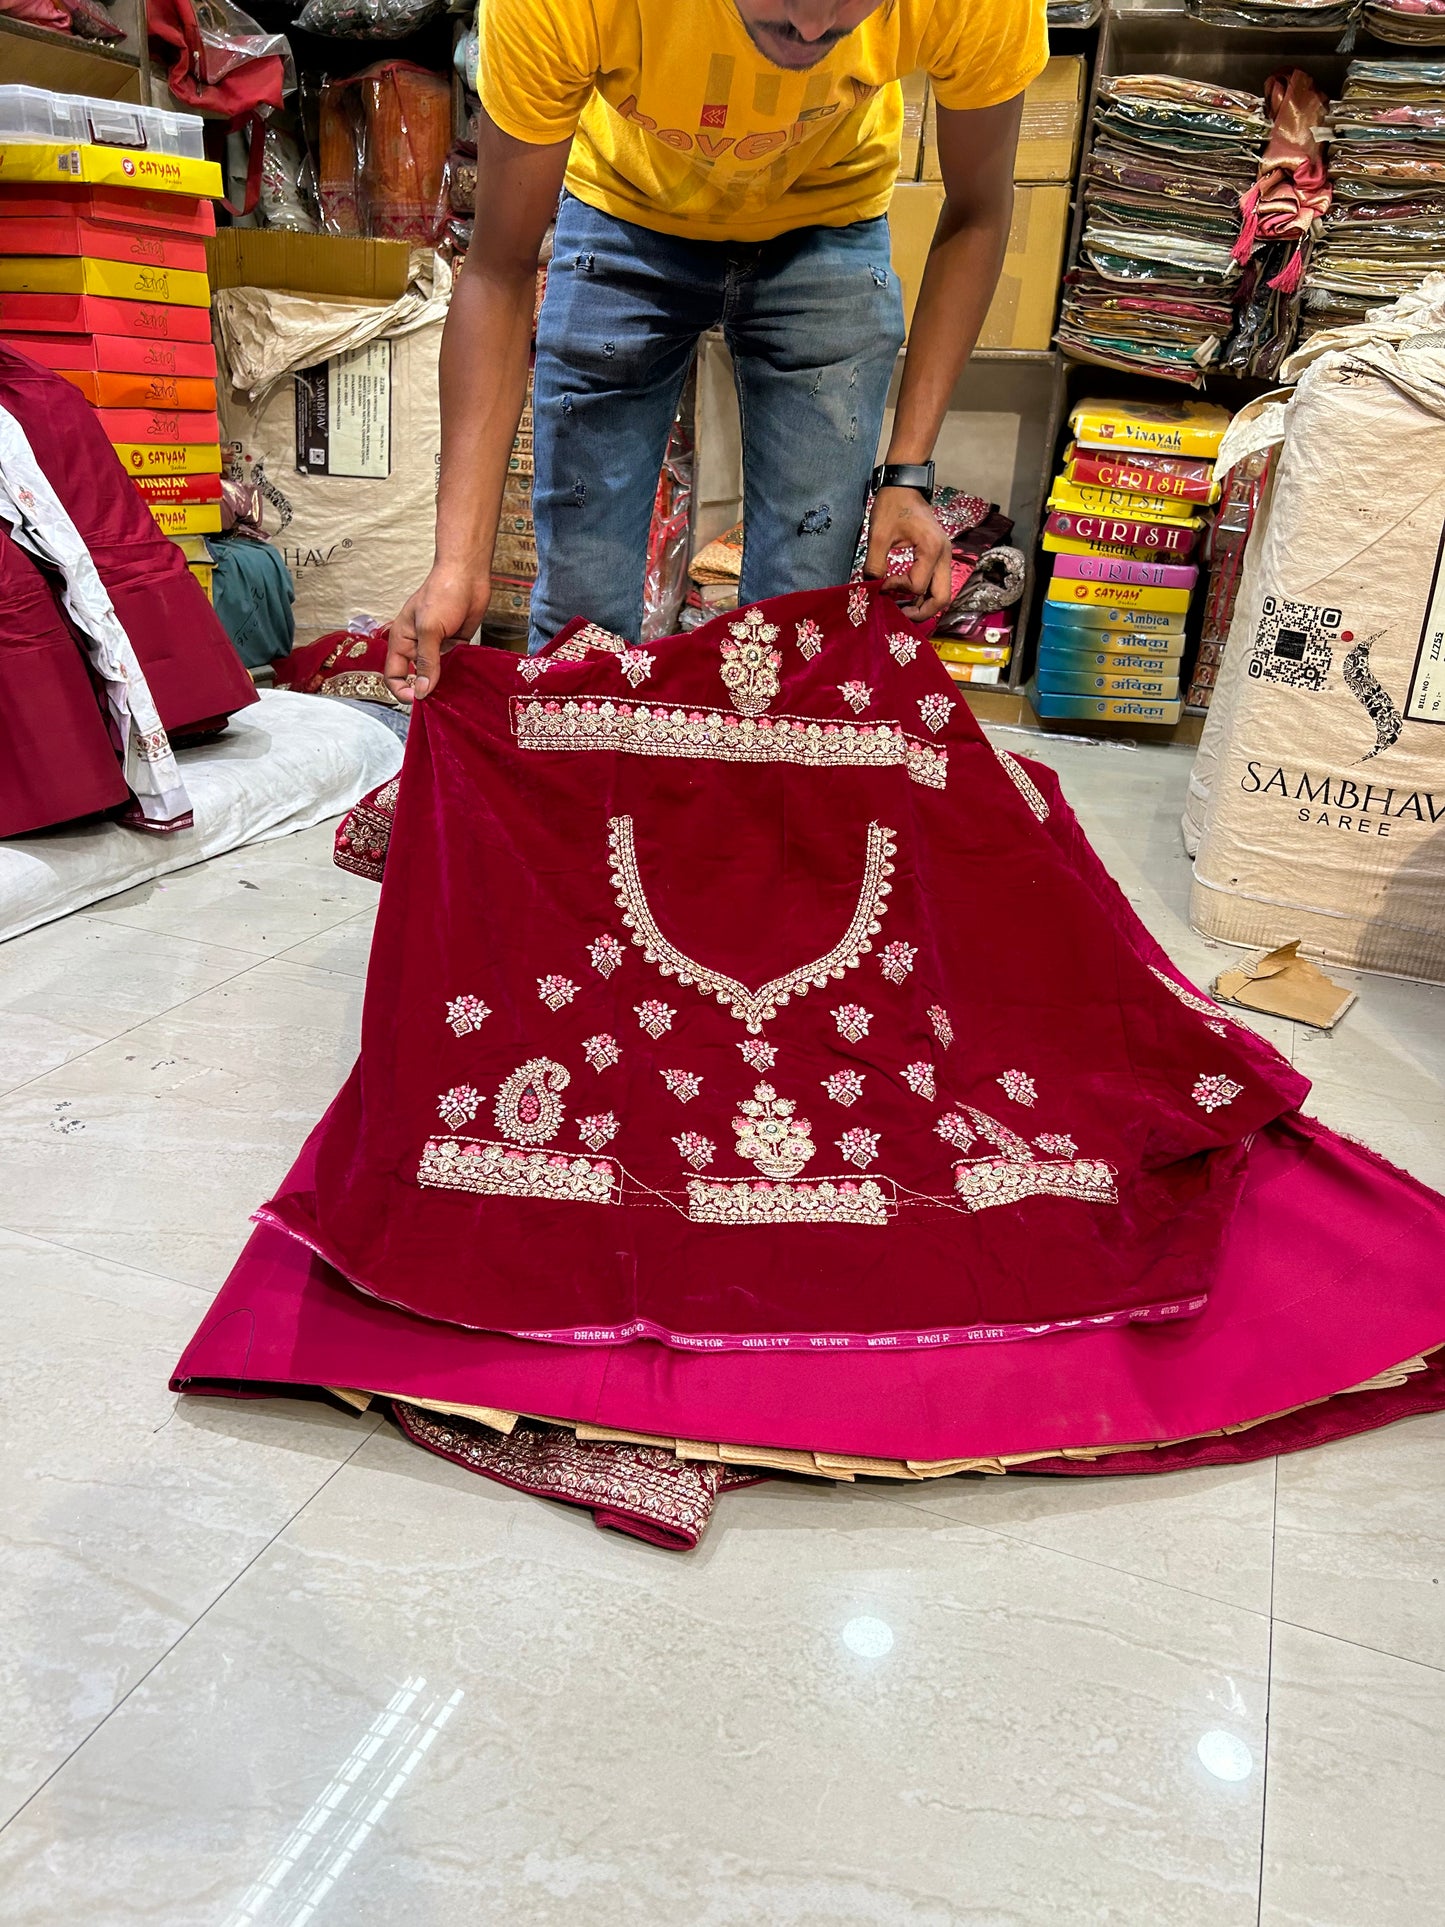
725,162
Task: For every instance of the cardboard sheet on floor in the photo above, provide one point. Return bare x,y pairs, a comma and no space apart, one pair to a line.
1285,984
285,764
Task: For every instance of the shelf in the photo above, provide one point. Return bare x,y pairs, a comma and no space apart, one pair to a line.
40,58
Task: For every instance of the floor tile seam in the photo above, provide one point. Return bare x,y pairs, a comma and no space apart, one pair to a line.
117,921
101,1257
181,1637
247,965
69,918
1083,1559
1360,1645
1268,1690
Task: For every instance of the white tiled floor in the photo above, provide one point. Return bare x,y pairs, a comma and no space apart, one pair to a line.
266,1665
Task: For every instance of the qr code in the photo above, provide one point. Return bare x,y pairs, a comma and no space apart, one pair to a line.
1294,643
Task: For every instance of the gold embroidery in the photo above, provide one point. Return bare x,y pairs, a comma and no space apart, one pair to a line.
860,1147
588,723
920,1080
466,1014
556,991
601,1051
1020,1087
856,694
895,960
599,1130
852,1021
862,1201
696,1149
750,663
935,710
902,647
844,1087
942,1028
769,1136
758,1055
1027,788
1210,1093
488,1169
458,1106
752,1007
684,1085
528,1107
606,954
1201,1004
810,638
993,1181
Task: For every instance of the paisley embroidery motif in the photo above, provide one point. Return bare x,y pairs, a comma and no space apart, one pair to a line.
466,1014
587,724
752,1007
770,1137
750,663
488,1169
528,1108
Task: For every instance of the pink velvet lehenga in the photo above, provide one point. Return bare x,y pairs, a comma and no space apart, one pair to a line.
759,1072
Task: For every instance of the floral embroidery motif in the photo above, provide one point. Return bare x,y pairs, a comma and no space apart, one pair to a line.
458,1106
858,604
636,665
1210,1093
902,647
1027,788
593,636
852,1021
586,723
487,1169
750,663
530,667
844,1087
1005,1181
696,1149
1057,1144
896,960
1020,1087
752,1007
1006,1142
859,1147
684,1085
770,1137
856,694
810,638
606,954
920,1080
654,1017
954,1128
1201,1004
528,1108
758,1055
942,1028
751,1201
556,991
467,1014
935,710
597,1131
1218,1029
601,1051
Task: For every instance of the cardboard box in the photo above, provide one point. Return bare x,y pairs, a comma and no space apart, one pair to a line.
74,234
1049,131
320,264
1117,595
121,353
1091,622
187,518
109,167
91,314
172,213
169,458
159,425
105,389
915,109
1026,300
192,547
1106,709
118,280
1054,681
178,488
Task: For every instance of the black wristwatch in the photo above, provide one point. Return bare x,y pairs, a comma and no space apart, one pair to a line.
917,475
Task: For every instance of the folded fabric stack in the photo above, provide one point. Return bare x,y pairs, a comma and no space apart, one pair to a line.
1155,284
713,574
1409,23
1123,523
1386,229
1283,16
103,279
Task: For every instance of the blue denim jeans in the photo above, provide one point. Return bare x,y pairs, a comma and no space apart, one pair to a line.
814,321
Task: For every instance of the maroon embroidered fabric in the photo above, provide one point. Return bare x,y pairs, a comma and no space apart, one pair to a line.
733,993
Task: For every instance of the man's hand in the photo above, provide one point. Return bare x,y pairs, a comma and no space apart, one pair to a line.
446,609
902,519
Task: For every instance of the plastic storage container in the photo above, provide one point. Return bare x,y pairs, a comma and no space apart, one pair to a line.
33,114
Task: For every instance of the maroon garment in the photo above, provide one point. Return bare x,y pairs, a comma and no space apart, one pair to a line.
194,674
965,1111
56,756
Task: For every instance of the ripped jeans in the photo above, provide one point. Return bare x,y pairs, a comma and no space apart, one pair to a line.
814,321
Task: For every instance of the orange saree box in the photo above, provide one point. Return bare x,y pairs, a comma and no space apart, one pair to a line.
126,206
120,354
107,388
93,314
159,425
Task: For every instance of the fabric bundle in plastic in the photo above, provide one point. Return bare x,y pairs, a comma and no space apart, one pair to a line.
385,137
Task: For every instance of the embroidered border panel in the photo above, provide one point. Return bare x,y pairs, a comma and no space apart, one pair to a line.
489,1169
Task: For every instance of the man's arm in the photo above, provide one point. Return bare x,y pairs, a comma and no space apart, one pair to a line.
483,379
976,158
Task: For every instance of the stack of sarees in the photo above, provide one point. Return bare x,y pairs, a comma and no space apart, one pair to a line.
1154,288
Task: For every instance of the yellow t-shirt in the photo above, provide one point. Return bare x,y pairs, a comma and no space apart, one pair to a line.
679,124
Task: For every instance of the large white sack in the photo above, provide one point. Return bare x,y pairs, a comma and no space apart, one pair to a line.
1323,791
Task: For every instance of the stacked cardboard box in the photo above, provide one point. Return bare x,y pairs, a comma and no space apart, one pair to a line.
103,278
1123,522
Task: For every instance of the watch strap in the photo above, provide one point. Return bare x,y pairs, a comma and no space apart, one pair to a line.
917,475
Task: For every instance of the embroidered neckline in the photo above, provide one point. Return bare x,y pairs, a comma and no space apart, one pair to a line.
751,1007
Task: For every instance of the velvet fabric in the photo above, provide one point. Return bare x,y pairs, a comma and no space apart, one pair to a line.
988,1116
